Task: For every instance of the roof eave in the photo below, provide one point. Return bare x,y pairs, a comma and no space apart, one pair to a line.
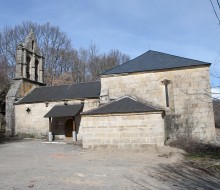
137,112
156,70
58,100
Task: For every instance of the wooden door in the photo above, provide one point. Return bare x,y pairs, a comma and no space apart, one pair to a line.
69,128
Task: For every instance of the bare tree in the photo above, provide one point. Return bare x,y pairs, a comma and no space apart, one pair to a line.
63,63
4,81
53,43
98,63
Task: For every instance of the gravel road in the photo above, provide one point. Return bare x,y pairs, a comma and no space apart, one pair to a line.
35,164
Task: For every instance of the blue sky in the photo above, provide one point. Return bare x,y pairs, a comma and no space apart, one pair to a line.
185,28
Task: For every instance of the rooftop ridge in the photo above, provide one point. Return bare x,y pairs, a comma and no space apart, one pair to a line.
154,61
177,56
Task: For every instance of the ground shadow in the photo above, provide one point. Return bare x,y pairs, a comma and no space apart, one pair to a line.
4,139
176,176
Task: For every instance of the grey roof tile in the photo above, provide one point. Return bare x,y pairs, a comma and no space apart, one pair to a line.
122,105
63,92
152,61
64,110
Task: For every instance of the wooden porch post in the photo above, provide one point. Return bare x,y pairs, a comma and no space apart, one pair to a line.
50,136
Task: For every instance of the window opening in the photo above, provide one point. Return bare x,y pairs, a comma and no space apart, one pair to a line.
32,44
36,70
28,67
166,82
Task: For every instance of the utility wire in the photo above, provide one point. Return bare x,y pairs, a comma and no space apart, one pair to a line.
215,10
218,3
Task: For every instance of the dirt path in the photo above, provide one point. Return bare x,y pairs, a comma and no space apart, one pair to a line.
37,165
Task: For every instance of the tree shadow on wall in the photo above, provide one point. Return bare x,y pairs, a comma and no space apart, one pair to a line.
176,176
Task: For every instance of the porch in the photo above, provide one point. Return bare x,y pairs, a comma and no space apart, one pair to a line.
64,122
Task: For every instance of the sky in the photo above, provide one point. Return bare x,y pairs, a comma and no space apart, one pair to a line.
184,28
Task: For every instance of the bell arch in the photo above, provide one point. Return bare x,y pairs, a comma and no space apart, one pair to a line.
36,64
28,61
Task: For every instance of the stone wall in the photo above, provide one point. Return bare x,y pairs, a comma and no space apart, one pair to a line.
18,89
11,97
190,112
34,123
123,131
90,104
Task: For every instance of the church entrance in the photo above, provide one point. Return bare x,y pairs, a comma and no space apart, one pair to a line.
69,128
62,121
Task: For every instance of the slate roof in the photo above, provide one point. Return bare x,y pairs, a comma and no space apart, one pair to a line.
64,110
63,92
122,105
152,61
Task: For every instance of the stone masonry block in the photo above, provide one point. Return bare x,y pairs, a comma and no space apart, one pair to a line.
100,135
113,135
129,134
116,141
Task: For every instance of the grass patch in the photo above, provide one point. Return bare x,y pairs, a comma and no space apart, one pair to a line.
203,156
197,149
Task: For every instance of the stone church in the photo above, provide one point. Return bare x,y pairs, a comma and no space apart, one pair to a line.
145,101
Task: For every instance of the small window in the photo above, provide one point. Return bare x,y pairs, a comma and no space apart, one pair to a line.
167,96
166,82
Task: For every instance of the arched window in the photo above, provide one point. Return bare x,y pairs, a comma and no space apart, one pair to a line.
28,60
36,70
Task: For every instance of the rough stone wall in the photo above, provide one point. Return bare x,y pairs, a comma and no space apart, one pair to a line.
190,112
10,99
25,88
18,89
123,131
90,104
34,123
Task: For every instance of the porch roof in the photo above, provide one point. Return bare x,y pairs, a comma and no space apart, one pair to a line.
124,104
64,110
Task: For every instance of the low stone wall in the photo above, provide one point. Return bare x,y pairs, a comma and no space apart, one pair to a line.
123,131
